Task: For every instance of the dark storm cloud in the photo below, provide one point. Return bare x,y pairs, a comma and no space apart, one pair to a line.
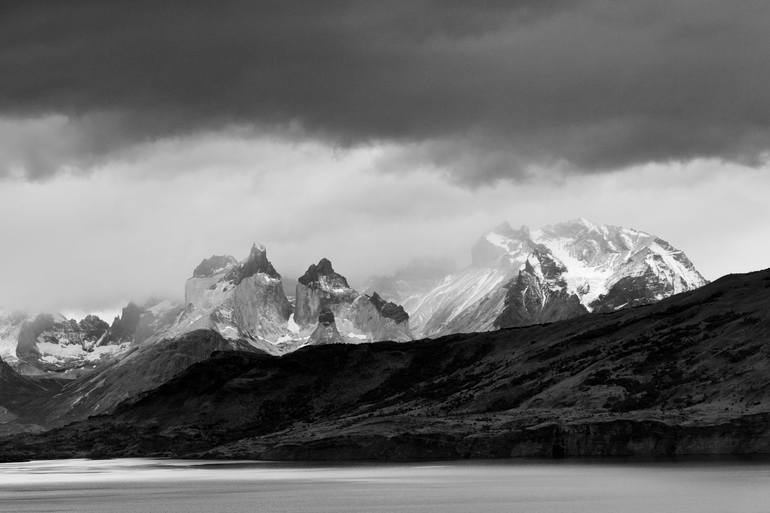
481,89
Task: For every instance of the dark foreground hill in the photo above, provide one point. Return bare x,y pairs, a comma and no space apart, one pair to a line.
689,375
22,399
34,403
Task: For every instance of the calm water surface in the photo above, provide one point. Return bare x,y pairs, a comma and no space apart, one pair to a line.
170,486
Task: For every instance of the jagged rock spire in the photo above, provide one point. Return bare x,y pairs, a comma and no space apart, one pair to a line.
323,268
389,309
213,265
326,331
255,263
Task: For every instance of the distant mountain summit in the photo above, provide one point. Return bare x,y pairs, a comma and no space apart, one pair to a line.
321,288
214,265
240,300
597,257
525,276
359,317
324,276
246,301
255,263
46,342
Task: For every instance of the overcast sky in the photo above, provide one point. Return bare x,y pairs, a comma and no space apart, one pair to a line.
138,137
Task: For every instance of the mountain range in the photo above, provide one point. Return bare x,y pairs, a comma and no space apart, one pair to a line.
525,276
516,278
683,376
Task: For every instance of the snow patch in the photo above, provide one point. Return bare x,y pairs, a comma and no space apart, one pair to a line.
292,325
586,281
58,354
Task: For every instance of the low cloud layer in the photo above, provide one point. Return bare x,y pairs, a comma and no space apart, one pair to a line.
478,90
93,242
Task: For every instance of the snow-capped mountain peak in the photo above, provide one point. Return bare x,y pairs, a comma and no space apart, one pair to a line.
599,266
595,256
322,275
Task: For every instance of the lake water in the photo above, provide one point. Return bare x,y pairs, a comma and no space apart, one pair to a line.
170,486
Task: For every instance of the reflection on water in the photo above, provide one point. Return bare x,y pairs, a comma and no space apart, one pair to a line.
134,485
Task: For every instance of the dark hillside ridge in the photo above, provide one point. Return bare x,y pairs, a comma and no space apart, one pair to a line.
689,375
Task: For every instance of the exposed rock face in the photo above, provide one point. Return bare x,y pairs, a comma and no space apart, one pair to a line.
323,273
239,300
53,343
601,267
650,274
93,327
256,263
321,288
246,300
539,293
10,326
360,317
214,265
124,327
388,309
326,331
380,319
599,256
